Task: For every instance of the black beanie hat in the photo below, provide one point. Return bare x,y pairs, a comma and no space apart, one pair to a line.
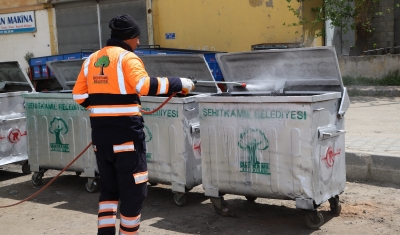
124,27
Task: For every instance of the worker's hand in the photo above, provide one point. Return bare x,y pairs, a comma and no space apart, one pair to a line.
187,85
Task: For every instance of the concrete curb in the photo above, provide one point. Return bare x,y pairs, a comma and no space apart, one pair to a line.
385,91
365,166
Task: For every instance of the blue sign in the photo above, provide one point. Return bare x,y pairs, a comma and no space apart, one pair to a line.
21,22
170,36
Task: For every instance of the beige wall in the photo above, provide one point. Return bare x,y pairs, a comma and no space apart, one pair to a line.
309,30
227,25
10,6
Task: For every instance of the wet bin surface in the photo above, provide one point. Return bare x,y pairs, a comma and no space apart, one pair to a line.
280,137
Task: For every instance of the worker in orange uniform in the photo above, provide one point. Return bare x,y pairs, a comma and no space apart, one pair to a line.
109,85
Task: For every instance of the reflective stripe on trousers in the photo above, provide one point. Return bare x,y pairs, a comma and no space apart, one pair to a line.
129,225
107,214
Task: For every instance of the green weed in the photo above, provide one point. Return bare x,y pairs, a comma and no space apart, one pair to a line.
391,79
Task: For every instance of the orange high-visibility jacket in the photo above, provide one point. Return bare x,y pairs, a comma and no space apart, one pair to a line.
109,86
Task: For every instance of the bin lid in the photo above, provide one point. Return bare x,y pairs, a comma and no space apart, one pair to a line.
181,65
313,69
13,78
66,71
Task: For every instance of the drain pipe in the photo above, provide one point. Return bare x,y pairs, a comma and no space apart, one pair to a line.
150,29
98,23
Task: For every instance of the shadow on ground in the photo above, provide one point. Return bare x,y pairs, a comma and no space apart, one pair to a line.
68,192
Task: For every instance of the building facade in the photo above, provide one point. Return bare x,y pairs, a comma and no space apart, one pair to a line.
25,27
68,26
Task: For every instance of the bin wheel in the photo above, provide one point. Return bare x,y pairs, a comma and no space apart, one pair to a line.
336,207
179,200
26,169
92,186
37,178
251,199
78,173
314,220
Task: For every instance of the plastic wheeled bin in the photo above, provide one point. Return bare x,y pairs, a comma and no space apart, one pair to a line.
172,133
59,129
281,137
13,141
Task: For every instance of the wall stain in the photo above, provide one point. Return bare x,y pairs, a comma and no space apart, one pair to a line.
270,3
255,3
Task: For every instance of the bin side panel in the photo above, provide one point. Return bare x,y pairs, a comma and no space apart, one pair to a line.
13,139
59,129
192,144
31,124
257,150
166,156
329,154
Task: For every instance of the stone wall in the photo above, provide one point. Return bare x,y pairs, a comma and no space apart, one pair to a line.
383,22
372,66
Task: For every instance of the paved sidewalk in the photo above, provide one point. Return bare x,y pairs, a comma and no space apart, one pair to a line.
373,139
385,146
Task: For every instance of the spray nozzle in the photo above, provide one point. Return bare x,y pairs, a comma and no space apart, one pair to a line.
193,80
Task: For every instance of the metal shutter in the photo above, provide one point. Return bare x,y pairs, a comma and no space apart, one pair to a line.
135,8
77,25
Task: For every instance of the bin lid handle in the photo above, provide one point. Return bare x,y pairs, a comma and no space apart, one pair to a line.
344,104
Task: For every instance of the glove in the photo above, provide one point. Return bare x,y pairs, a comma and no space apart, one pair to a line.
187,85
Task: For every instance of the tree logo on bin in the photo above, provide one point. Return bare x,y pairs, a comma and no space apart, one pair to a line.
148,138
252,141
58,127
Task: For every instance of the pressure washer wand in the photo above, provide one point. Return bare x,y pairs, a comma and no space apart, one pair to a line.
234,83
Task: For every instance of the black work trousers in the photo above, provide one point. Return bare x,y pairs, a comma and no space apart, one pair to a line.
123,180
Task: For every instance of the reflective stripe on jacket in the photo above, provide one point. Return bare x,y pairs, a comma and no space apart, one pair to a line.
109,86
112,73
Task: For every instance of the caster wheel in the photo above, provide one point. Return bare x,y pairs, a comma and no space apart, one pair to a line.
180,201
314,220
78,173
26,169
251,199
37,179
93,186
336,207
